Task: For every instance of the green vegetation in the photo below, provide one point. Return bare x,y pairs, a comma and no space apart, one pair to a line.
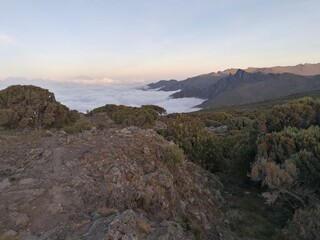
144,116
305,224
78,127
172,154
30,106
199,144
274,148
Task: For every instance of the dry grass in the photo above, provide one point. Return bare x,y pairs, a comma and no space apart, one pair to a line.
106,212
81,224
144,227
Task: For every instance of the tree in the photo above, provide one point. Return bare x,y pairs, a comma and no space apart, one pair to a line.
280,179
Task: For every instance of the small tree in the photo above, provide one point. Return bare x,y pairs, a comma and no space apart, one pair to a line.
280,179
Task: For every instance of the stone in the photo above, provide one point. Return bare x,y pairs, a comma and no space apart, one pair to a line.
10,233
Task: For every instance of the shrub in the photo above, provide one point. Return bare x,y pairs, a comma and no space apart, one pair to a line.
78,127
305,224
172,154
200,145
29,106
131,116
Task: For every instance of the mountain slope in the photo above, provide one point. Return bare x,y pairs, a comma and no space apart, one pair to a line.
206,80
257,87
235,86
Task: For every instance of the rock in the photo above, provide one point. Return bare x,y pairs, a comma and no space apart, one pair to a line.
26,181
22,220
55,208
8,234
4,183
106,169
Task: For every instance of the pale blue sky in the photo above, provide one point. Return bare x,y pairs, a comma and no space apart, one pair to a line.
132,40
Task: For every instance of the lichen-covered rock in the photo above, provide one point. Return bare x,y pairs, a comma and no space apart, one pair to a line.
106,184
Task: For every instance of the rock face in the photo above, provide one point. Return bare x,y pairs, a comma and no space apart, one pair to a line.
110,184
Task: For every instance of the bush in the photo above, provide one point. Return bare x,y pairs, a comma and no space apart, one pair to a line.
172,154
131,116
29,106
78,127
305,224
200,145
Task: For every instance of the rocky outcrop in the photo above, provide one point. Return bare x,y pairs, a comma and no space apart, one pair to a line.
110,184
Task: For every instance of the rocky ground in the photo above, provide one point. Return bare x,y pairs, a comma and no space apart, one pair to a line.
106,184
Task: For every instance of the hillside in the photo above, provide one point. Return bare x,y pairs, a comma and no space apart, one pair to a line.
244,88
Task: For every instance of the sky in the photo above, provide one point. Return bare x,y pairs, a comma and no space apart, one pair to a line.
147,40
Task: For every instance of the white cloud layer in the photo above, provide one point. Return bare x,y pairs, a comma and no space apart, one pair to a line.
83,97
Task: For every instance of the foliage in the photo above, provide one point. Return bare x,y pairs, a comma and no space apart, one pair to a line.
240,150
131,116
172,154
308,164
305,224
29,106
299,113
279,146
78,127
200,145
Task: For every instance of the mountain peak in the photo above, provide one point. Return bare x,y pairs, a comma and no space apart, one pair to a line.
240,73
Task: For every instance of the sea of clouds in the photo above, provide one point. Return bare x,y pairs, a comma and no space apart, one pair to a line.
85,97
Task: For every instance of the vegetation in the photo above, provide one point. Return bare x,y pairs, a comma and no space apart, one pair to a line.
172,154
78,127
199,144
106,212
131,116
305,224
30,106
275,146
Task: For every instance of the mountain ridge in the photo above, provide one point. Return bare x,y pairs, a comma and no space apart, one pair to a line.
238,86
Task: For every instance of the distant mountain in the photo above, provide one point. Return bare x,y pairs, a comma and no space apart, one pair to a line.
201,81
306,69
243,88
236,86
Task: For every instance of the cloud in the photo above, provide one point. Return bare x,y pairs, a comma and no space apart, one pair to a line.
93,80
83,97
6,40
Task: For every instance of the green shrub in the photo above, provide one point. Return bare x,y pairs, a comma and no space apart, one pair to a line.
78,127
305,224
200,145
29,106
172,154
131,116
